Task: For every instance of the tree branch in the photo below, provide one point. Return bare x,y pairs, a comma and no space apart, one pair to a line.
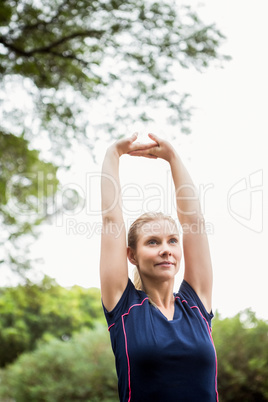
11,46
69,56
46,49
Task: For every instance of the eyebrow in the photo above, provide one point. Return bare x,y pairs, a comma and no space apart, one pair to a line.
157,236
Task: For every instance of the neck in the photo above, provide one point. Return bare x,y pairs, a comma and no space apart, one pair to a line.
161,295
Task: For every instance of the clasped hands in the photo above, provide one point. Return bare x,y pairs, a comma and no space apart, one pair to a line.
157,149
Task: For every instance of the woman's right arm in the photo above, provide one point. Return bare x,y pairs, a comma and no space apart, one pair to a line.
113,259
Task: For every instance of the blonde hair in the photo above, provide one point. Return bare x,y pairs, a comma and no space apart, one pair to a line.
133,235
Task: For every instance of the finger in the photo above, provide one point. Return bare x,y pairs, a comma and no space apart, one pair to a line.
154,138
150,156
138,146
142,152
134,137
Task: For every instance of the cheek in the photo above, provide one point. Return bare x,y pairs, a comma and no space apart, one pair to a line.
145,255
148,255
178,254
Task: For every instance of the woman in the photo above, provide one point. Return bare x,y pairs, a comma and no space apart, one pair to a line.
162,341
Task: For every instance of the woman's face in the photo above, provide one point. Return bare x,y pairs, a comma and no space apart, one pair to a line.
158,253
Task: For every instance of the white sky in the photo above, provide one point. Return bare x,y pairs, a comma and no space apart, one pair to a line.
226,156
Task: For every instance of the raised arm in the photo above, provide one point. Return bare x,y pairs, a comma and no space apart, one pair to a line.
113,259
198,267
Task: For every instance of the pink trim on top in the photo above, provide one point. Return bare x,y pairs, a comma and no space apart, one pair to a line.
111,326
125,335
210,336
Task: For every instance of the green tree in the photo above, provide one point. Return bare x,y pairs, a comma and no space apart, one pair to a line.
27,185
36,312
81,369
72,50
242,349
58,57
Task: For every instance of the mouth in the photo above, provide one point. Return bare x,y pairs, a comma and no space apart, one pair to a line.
166,264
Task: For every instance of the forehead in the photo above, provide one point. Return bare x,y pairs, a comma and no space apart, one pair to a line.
163,227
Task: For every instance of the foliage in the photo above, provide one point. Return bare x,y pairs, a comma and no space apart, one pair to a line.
68,51
27,184
81,369
35,312
80,366
57,57
242,349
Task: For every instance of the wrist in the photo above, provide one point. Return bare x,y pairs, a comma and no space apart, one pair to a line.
172,156
113,150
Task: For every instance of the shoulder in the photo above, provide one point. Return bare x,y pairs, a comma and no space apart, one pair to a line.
188,295
131,297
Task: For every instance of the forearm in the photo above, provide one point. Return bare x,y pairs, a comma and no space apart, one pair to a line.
188,206
187,199
110,188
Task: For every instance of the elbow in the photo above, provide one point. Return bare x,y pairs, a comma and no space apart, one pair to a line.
113,227
194,224
108,220
112,220
190,215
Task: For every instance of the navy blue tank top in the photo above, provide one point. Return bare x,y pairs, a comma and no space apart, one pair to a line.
160,360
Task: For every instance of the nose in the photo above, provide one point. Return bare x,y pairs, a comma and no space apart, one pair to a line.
165,251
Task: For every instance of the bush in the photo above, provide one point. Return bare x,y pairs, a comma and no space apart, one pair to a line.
81,369
242,349
33,312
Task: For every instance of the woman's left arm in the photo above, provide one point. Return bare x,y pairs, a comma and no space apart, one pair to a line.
198,267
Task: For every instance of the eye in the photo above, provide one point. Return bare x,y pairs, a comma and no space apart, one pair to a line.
174,240
152,242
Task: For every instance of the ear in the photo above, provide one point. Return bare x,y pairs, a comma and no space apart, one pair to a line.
131,256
